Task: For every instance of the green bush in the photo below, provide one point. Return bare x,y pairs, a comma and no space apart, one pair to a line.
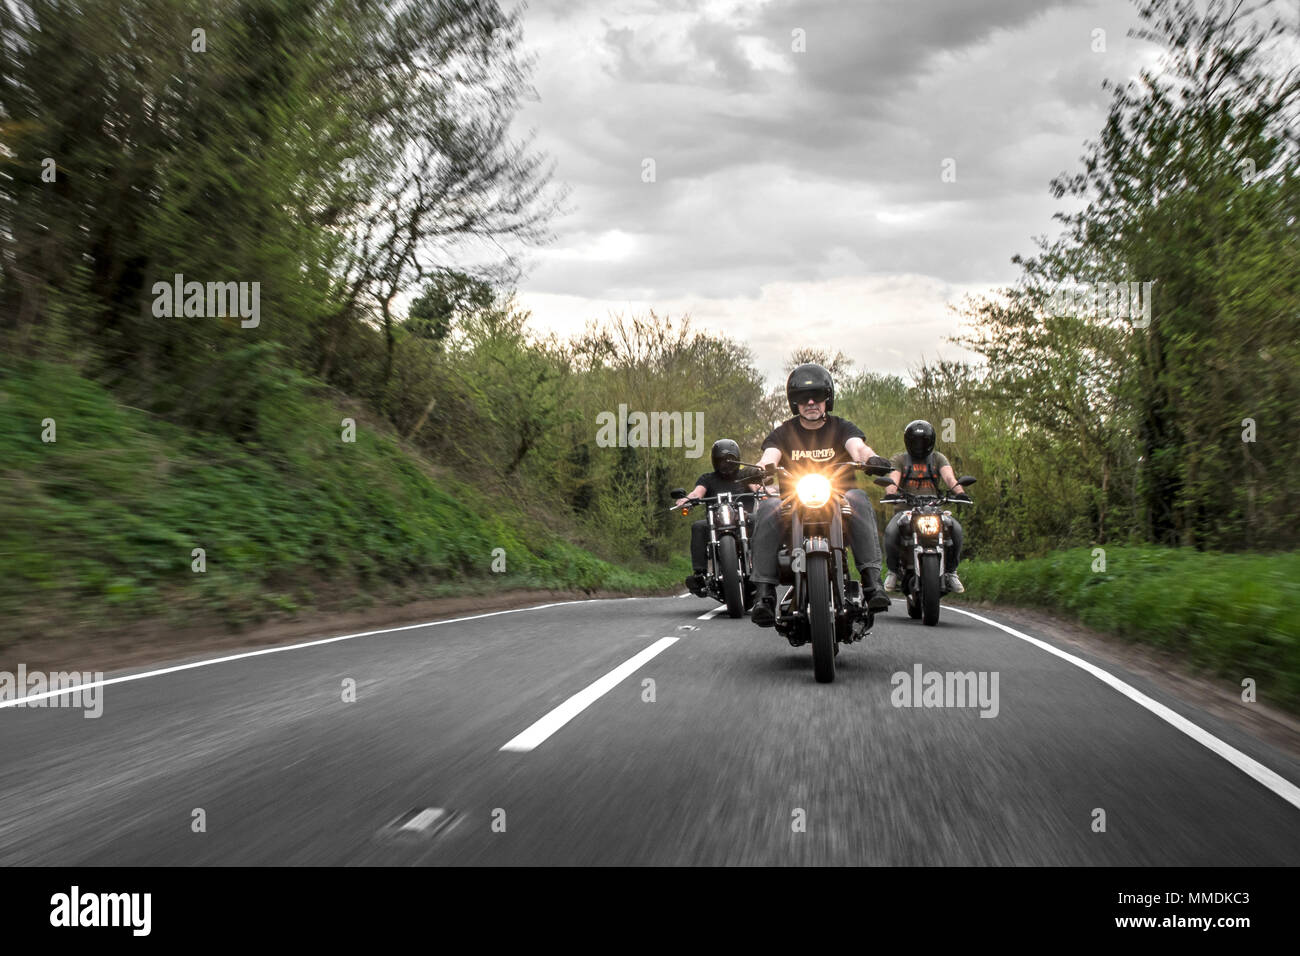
100,524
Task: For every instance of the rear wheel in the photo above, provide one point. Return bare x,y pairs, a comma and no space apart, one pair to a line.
821,619
930,589
731,589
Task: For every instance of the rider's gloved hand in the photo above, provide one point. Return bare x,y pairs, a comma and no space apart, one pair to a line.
769,468
961,497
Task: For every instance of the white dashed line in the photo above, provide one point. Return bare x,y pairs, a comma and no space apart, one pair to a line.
539,731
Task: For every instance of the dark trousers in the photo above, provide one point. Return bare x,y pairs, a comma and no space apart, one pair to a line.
700,544
771,530
951,546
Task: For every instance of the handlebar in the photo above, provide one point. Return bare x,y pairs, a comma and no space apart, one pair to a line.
693,502
876,465
914,501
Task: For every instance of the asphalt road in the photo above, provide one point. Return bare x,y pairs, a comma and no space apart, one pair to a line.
739,758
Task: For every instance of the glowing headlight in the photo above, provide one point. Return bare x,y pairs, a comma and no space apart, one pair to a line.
927,525
813,490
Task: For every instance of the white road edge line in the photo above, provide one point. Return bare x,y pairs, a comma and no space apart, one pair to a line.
708,614
1248,765
293,647
540,730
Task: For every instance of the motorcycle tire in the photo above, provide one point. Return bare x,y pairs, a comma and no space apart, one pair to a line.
930,589
821,617
732,589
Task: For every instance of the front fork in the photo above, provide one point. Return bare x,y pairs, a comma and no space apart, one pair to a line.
745,559
713,547
746,564
919,550
833,542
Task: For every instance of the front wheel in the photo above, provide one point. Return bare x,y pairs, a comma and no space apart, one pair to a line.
930,589
821,619
731,589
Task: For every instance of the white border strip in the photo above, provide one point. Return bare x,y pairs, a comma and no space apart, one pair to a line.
540,730
1247,765
294,647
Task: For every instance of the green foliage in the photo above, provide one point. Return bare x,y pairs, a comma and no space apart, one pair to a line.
1237,615
329,152
1194,185
448,294
101,523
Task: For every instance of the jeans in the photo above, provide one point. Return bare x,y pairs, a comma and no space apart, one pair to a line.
951,545
771,530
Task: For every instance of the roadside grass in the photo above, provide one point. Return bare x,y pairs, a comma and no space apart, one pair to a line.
98,527
1237,615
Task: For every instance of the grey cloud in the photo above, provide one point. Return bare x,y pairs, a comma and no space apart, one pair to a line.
764,175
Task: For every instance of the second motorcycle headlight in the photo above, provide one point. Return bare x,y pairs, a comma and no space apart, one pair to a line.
927,526
813,490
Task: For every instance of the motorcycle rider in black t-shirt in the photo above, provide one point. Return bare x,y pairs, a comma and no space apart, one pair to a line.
814,436
726,476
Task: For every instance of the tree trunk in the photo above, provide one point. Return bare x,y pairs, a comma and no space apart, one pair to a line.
423,418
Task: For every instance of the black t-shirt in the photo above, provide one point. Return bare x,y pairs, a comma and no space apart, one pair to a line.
714,483
802,447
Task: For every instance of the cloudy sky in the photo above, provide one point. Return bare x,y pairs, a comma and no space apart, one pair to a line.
798,151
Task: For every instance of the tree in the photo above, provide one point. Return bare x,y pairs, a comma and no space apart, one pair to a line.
1192,187
448,294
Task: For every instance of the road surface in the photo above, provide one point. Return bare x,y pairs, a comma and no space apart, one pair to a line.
638,731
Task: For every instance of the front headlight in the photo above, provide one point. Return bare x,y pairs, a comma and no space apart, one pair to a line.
927,526
813,490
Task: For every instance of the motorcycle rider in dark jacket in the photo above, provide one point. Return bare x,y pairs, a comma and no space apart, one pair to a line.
817,437
726,476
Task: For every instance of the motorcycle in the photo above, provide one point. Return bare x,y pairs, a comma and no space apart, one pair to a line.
924,529
822,606
727,577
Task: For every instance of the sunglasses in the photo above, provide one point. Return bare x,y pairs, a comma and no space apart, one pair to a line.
814,395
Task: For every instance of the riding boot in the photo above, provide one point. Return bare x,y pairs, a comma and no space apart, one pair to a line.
764,611
873,590
695,583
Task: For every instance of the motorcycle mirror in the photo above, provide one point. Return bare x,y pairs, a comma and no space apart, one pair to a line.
965,480
678,493
882,482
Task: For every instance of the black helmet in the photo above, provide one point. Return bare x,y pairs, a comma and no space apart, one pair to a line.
726,457
918,436
809,379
